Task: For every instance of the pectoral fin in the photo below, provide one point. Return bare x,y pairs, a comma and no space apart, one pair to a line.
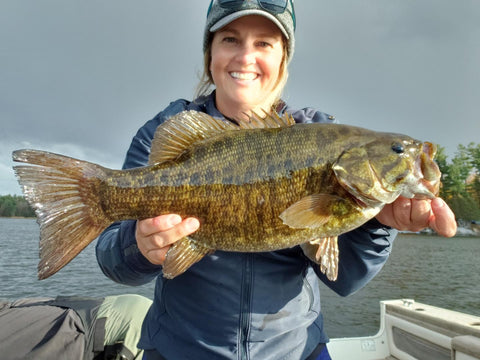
313,211
183,254
324,251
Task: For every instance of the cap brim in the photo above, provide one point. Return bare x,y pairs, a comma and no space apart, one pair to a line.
238,14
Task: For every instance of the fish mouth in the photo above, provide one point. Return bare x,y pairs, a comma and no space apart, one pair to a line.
426,173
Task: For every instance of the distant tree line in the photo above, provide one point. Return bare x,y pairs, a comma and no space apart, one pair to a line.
460,186
461,181
14,205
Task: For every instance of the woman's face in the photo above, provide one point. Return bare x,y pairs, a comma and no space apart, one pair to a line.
245,65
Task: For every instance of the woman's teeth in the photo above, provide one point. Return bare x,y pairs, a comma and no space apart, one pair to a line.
243,76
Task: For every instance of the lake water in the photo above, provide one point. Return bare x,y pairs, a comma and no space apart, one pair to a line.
430,269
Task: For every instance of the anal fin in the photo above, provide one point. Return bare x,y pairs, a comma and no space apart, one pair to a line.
324,251
183,254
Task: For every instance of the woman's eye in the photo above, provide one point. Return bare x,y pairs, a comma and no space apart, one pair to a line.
229,39
263,44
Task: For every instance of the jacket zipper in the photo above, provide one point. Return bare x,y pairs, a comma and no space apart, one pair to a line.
245,304
308,287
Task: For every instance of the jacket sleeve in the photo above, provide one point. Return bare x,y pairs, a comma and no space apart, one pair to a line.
117,252
362,254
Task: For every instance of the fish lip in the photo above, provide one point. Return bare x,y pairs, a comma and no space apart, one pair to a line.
425,176
426,189
428,172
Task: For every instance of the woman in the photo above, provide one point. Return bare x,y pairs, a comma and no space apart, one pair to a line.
246,305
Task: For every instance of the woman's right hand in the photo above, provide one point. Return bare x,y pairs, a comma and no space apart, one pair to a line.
156,235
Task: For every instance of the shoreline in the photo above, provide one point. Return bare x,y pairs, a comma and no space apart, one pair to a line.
461,231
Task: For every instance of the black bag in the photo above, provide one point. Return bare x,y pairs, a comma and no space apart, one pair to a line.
61,328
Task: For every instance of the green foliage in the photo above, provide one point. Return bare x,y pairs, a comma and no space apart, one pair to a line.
15,206
461,181
464,207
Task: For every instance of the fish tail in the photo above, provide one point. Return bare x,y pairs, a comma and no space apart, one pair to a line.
64,192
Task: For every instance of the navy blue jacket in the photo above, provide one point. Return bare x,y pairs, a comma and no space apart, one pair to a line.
237,305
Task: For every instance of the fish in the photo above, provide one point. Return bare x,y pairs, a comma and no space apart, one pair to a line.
259,185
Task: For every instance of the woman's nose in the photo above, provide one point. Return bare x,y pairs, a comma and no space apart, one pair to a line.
246,54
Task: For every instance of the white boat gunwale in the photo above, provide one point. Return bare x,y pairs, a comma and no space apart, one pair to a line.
414,331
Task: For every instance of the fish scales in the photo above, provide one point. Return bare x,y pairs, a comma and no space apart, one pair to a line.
237,184
253,189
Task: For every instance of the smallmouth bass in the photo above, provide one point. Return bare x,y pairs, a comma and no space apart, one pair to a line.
259,186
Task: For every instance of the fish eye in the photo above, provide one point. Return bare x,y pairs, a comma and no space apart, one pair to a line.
398,148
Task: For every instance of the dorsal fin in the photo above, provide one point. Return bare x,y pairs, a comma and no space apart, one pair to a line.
272,120
176,135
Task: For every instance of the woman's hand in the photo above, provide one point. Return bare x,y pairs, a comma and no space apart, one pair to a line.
415,215
156,235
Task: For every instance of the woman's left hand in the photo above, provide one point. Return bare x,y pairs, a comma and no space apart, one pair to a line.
415,215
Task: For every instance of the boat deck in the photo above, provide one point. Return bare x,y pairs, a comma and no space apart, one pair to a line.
411,331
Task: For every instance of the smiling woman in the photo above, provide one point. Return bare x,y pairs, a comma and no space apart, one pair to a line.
230,304
257,48
246,61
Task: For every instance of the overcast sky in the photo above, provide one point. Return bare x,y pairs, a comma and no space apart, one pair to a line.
79,77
